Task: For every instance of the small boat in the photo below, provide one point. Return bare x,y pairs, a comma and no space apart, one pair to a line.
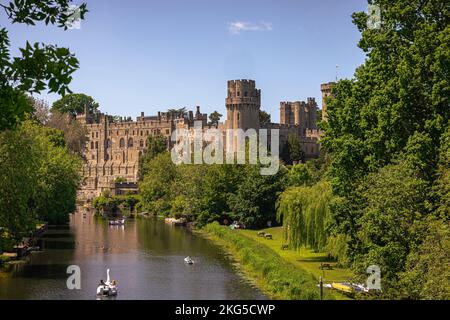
348,287
342,286
188,260
108,288
119,222
32,249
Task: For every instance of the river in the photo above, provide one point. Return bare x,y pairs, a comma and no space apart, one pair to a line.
145,257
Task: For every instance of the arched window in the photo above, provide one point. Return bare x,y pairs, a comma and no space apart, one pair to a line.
96,144
122,143
141,143
92,144
130,142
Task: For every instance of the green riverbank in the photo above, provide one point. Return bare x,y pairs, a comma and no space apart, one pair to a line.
277,277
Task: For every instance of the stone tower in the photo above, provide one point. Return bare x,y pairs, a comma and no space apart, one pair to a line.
326,92
243,104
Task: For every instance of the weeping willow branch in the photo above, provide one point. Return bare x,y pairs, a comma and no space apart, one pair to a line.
305,213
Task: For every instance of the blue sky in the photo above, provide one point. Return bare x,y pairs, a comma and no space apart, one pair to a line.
138,55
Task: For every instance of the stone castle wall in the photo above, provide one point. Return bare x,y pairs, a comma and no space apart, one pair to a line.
114,146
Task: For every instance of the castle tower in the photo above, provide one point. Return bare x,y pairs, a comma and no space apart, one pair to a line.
243,104
326,92
312,113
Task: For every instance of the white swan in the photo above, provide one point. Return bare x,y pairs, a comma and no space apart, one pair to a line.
108,282
107,288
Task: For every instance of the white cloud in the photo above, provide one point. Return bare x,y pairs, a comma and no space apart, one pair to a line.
237,26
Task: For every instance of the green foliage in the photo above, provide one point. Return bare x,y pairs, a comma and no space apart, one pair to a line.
305,213
386,133
111,205
189,190
219,184
337,248
19,172
206,193
179,113
279,279
214,118
391,224
14,107
47,11
441,188
264,117
74,104
427,274
253,202
39,66
156,186
74,133
155,145
39,178
120,180
299,175
292,150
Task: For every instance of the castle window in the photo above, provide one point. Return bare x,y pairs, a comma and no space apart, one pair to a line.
147,132
96,144
96,134
245,94
92,134
238,93
130,142
141,143
122,143
92,145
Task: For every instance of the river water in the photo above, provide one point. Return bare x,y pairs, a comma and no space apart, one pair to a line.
145,257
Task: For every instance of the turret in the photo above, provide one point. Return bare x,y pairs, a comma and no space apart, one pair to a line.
326,92
243,104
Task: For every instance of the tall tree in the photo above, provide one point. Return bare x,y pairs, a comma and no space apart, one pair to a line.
39,66
214,119
396,107
74,104
292,150
41,110
75,134
155,145
264,117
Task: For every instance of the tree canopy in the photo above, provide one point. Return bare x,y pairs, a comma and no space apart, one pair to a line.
39,66
74,103
387,132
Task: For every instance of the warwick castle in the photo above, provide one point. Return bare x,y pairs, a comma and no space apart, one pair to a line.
114,146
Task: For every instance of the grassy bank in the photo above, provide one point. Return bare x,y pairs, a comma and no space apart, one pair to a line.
276,277
305,259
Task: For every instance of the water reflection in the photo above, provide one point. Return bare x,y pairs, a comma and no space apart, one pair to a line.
145,257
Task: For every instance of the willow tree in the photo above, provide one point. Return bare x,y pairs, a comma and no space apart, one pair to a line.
305,213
